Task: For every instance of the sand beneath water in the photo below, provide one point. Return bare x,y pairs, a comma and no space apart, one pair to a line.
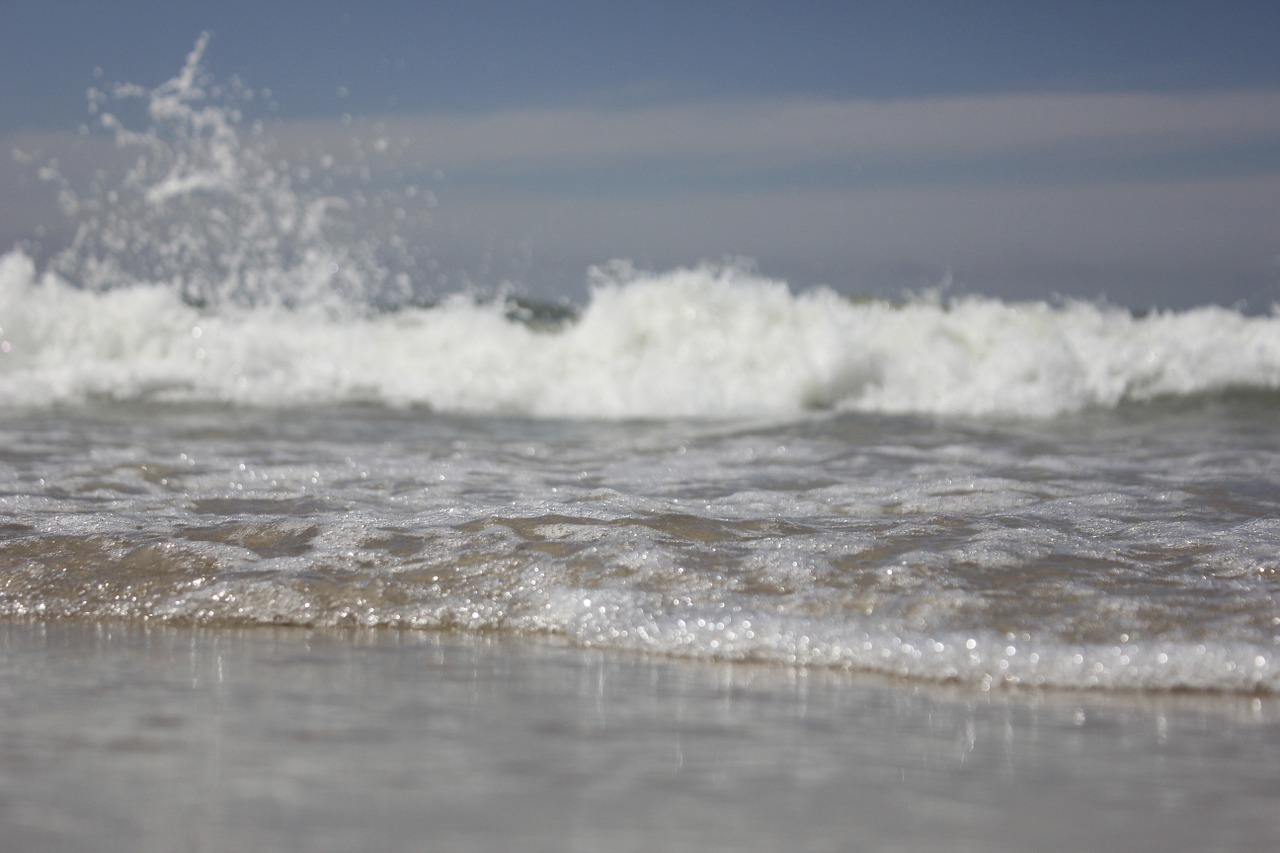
136,738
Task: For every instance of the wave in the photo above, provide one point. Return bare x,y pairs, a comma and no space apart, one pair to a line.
213,271
708,341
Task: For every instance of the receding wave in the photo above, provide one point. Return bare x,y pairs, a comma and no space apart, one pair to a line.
560,576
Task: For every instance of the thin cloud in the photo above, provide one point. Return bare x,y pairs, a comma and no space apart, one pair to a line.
762,137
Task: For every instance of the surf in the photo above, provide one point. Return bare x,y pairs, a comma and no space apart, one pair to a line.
213,269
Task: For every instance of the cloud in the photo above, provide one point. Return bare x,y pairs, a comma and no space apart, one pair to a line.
757,138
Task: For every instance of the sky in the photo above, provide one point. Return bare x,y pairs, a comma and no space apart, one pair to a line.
1120,150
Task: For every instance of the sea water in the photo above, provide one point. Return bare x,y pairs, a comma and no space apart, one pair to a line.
223,405
1119,549
220,408
151,738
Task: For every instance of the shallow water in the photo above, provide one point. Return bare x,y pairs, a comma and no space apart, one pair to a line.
125,737
1131,548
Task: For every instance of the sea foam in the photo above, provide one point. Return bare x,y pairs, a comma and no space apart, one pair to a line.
708,341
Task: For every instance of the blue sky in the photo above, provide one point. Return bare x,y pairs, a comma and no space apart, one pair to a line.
1126,150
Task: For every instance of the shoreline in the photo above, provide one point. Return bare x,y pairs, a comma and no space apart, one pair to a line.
124,736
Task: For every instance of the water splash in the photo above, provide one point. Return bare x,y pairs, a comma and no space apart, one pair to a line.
165,293
210,207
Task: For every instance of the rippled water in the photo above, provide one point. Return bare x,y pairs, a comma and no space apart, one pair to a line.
230,401
1130,548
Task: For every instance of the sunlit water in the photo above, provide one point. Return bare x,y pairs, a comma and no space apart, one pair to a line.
1134,548
226,404
303,553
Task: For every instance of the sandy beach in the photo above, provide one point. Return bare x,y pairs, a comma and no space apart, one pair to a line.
123,737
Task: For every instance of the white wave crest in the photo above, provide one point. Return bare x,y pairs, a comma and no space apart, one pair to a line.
714,341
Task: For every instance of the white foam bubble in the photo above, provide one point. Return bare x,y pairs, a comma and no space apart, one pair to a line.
705,341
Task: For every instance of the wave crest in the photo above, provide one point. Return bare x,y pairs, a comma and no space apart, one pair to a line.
708,341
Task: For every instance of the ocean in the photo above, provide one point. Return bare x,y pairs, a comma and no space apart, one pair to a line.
235,430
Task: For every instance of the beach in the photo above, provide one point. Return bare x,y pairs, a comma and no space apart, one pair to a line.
128,737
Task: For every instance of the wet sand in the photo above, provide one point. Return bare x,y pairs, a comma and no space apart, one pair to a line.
123,737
